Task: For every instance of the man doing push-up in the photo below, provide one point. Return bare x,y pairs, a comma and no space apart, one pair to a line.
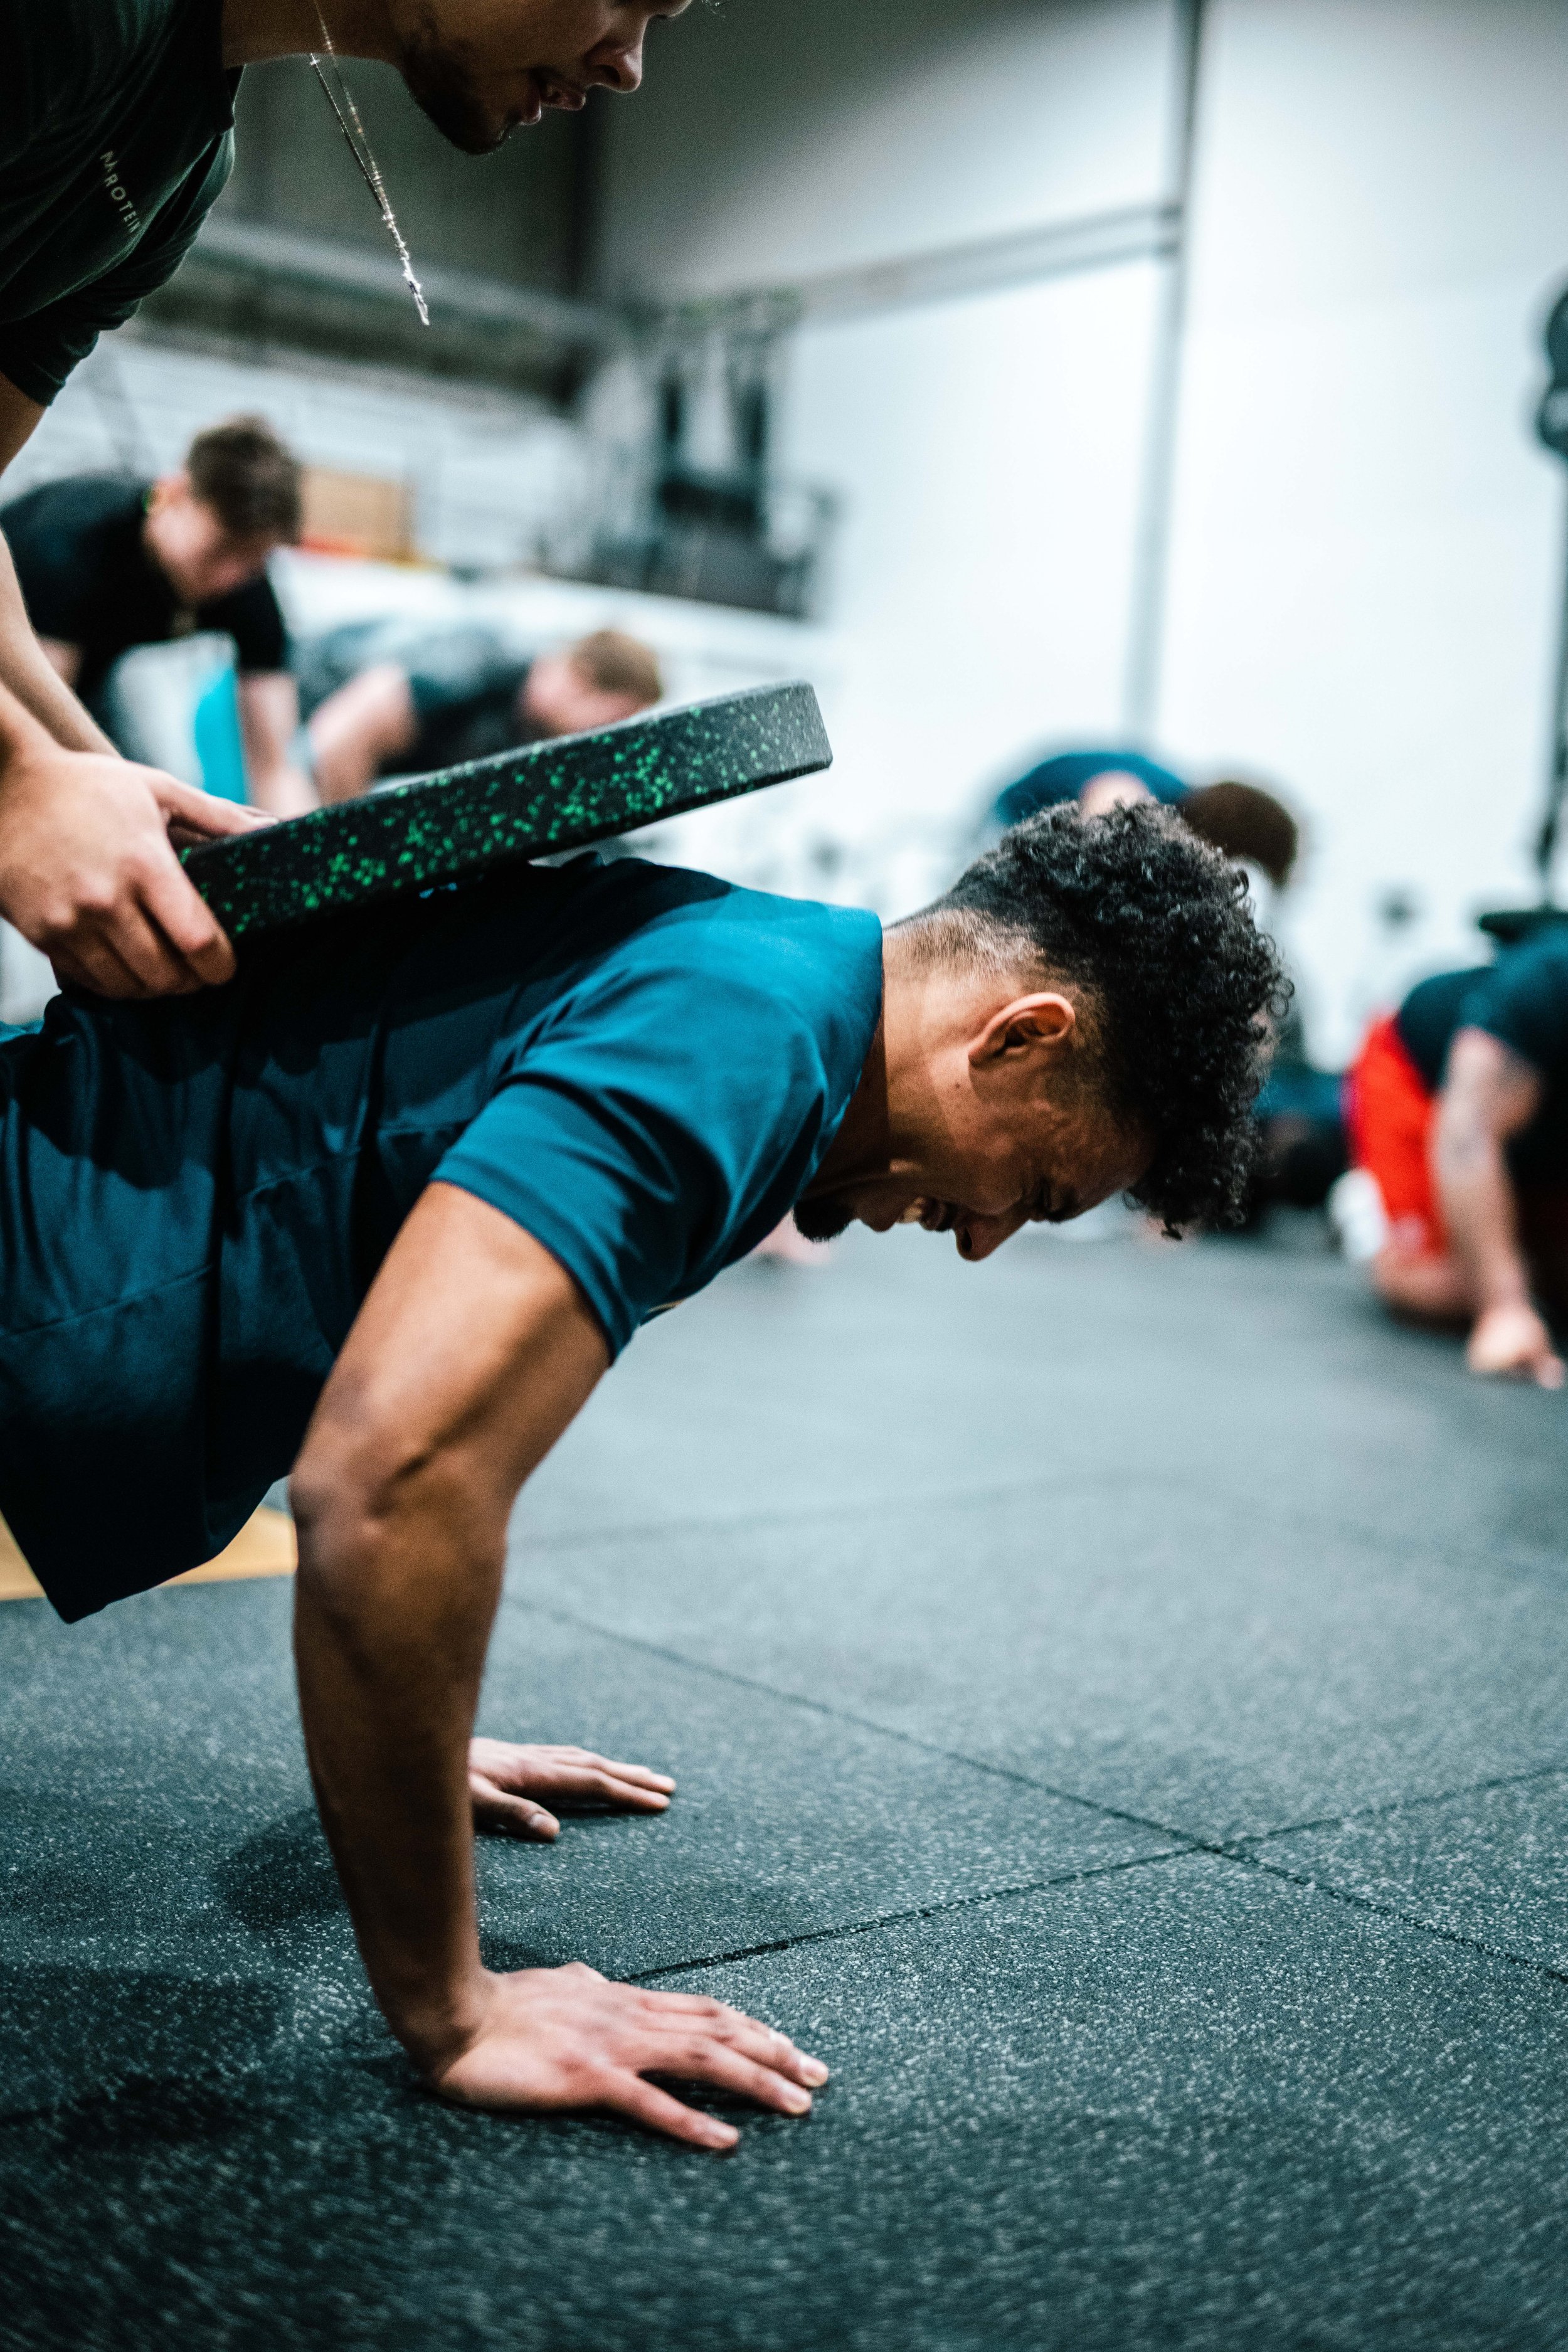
388,1205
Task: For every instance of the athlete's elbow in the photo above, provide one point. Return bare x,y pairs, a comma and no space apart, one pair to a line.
359,1498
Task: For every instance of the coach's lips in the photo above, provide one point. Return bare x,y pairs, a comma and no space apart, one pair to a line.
566,97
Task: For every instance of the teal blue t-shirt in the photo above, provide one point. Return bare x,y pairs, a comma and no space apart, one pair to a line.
643,1066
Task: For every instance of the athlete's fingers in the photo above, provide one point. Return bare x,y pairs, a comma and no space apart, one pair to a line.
699,2059
638,1774
498,1811
1549,1371
667,2014
575,1780
575,1772
628,2094
695,2004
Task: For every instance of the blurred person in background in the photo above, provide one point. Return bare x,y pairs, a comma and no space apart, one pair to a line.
388,699
116,139
1299,1110
1242,821
105,563
1459,1123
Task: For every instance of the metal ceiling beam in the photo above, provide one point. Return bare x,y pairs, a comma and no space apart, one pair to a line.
258,248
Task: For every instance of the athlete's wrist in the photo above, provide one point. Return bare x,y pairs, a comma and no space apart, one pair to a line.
1504,1286
437,2023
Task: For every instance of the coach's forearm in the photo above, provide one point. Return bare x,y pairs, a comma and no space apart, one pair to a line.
28,678
392,1616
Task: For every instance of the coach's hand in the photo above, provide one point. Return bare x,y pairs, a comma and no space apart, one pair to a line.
553,2039
503,1780
89,874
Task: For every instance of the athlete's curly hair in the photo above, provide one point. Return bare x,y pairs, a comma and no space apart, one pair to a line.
1156,928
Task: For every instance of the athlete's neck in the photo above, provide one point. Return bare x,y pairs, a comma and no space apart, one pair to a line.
254,31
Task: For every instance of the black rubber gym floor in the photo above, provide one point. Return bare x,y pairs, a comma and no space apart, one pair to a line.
1120,1696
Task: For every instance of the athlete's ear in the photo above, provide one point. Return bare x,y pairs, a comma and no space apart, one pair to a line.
1039,1024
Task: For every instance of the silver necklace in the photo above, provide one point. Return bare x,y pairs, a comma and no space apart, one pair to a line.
353,129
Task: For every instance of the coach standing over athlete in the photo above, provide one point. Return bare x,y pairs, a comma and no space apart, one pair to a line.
116,138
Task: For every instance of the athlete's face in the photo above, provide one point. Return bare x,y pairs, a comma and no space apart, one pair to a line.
483,68
993,1123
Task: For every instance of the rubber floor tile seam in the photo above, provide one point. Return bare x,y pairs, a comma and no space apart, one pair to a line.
1182,1843
1311,1885
1240,1848
1185,1840
912,1916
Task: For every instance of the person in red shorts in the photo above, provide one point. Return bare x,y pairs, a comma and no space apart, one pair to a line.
1458,1110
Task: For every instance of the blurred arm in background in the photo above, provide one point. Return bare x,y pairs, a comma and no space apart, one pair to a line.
88,872
268,721
1490,1095
363,727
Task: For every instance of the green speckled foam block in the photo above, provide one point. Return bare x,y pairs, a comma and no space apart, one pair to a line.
524,804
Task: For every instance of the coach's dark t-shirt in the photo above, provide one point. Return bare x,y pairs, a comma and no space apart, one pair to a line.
1522,1000
87,579
116,137
642,1066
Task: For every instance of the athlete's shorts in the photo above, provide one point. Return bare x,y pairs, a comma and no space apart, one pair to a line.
1389,1111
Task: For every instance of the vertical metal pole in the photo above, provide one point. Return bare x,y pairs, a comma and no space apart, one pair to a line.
1557,782
1145,646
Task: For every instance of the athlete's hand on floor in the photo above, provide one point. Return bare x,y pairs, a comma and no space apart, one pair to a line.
503,1780
553,2039
89,874
1513,1342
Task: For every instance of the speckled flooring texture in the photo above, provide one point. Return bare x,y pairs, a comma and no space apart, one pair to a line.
1120,1696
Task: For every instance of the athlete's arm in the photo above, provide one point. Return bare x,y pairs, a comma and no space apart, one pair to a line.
472,1353
368,723
268,718
1489,1095
86,868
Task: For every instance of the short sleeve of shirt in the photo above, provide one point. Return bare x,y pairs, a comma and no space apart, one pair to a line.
39,351
1522,1000
676,1107
254,619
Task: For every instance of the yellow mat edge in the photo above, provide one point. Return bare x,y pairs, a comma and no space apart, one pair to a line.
265,1546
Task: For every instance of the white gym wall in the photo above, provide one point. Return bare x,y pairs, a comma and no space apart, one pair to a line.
1369,546
1365,548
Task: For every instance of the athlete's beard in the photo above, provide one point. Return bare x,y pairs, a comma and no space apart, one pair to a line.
822,1221
441,88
